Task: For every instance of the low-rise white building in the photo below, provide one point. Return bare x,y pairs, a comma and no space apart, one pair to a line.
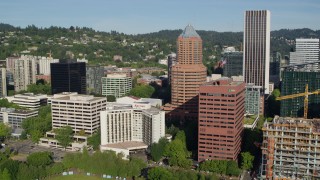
125,126
14,117
29,100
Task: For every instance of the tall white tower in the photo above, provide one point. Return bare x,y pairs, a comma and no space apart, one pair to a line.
256,49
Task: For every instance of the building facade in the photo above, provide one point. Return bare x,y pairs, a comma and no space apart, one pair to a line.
117,85
294,82
94,76
15,117
29,100
3,82
256,49
232,64
68,76
307,51
24,72
290,149
274,72
124,123
186,76
44,65
221,114
81,112
253,100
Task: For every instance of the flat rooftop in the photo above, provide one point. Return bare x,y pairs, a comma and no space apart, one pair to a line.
223,81
129,145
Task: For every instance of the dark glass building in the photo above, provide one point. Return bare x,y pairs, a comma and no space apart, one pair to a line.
68,76
233,64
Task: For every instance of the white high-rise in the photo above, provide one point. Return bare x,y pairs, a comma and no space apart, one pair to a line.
24,72
256,48
44,65
307,51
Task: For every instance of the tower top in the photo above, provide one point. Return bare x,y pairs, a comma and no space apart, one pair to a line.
188,32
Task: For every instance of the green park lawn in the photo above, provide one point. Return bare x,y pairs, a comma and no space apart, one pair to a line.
75,177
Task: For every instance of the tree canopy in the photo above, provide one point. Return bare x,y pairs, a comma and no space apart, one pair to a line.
40,159
64,135
5,131
142,91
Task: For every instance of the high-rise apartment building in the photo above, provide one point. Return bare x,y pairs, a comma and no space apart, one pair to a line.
81,112
3,82
290,149
44,65
24,72
221,114
187,75
94,75
256,49
232,63
307,51
68,76
117,85
294,81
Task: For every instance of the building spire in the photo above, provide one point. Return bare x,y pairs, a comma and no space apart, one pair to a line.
189,31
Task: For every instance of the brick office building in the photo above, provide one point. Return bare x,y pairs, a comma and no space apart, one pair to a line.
221,113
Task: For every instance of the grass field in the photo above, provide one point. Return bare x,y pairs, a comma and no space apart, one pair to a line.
75,177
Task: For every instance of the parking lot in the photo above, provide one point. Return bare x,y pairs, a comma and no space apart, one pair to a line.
27,147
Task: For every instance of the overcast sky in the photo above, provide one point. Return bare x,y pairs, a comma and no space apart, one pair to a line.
143,16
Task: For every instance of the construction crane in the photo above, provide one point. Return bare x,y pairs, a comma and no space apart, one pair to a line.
306,93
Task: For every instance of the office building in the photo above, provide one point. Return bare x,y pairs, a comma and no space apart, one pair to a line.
29,100
3,82
307,51
126,129
232,63
186,76
44,65
290,149
294,81
24,72
94,75
117,85
81,112
256,48
10,61
274,72
15,117
221,114
68,76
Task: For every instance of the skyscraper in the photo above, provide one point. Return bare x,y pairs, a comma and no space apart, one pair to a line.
24,72
187,75
221,113
68,76
256,49
307,51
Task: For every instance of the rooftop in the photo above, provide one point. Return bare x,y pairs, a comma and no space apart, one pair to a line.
224,81
188,32
130,145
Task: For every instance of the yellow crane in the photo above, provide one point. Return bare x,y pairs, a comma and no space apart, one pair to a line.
305,94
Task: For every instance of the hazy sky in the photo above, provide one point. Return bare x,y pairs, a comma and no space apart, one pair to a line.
143,16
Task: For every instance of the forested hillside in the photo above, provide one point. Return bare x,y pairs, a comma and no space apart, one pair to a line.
100,47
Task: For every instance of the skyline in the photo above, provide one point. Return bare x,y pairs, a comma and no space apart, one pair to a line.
142,16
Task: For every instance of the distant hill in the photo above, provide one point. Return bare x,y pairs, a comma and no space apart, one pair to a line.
100,47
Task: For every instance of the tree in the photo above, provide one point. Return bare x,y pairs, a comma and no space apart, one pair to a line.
142,91
246,160
157,149
5,131
40,159
64,136
95,140
159,173
177,154
5,175
111,98
232,168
